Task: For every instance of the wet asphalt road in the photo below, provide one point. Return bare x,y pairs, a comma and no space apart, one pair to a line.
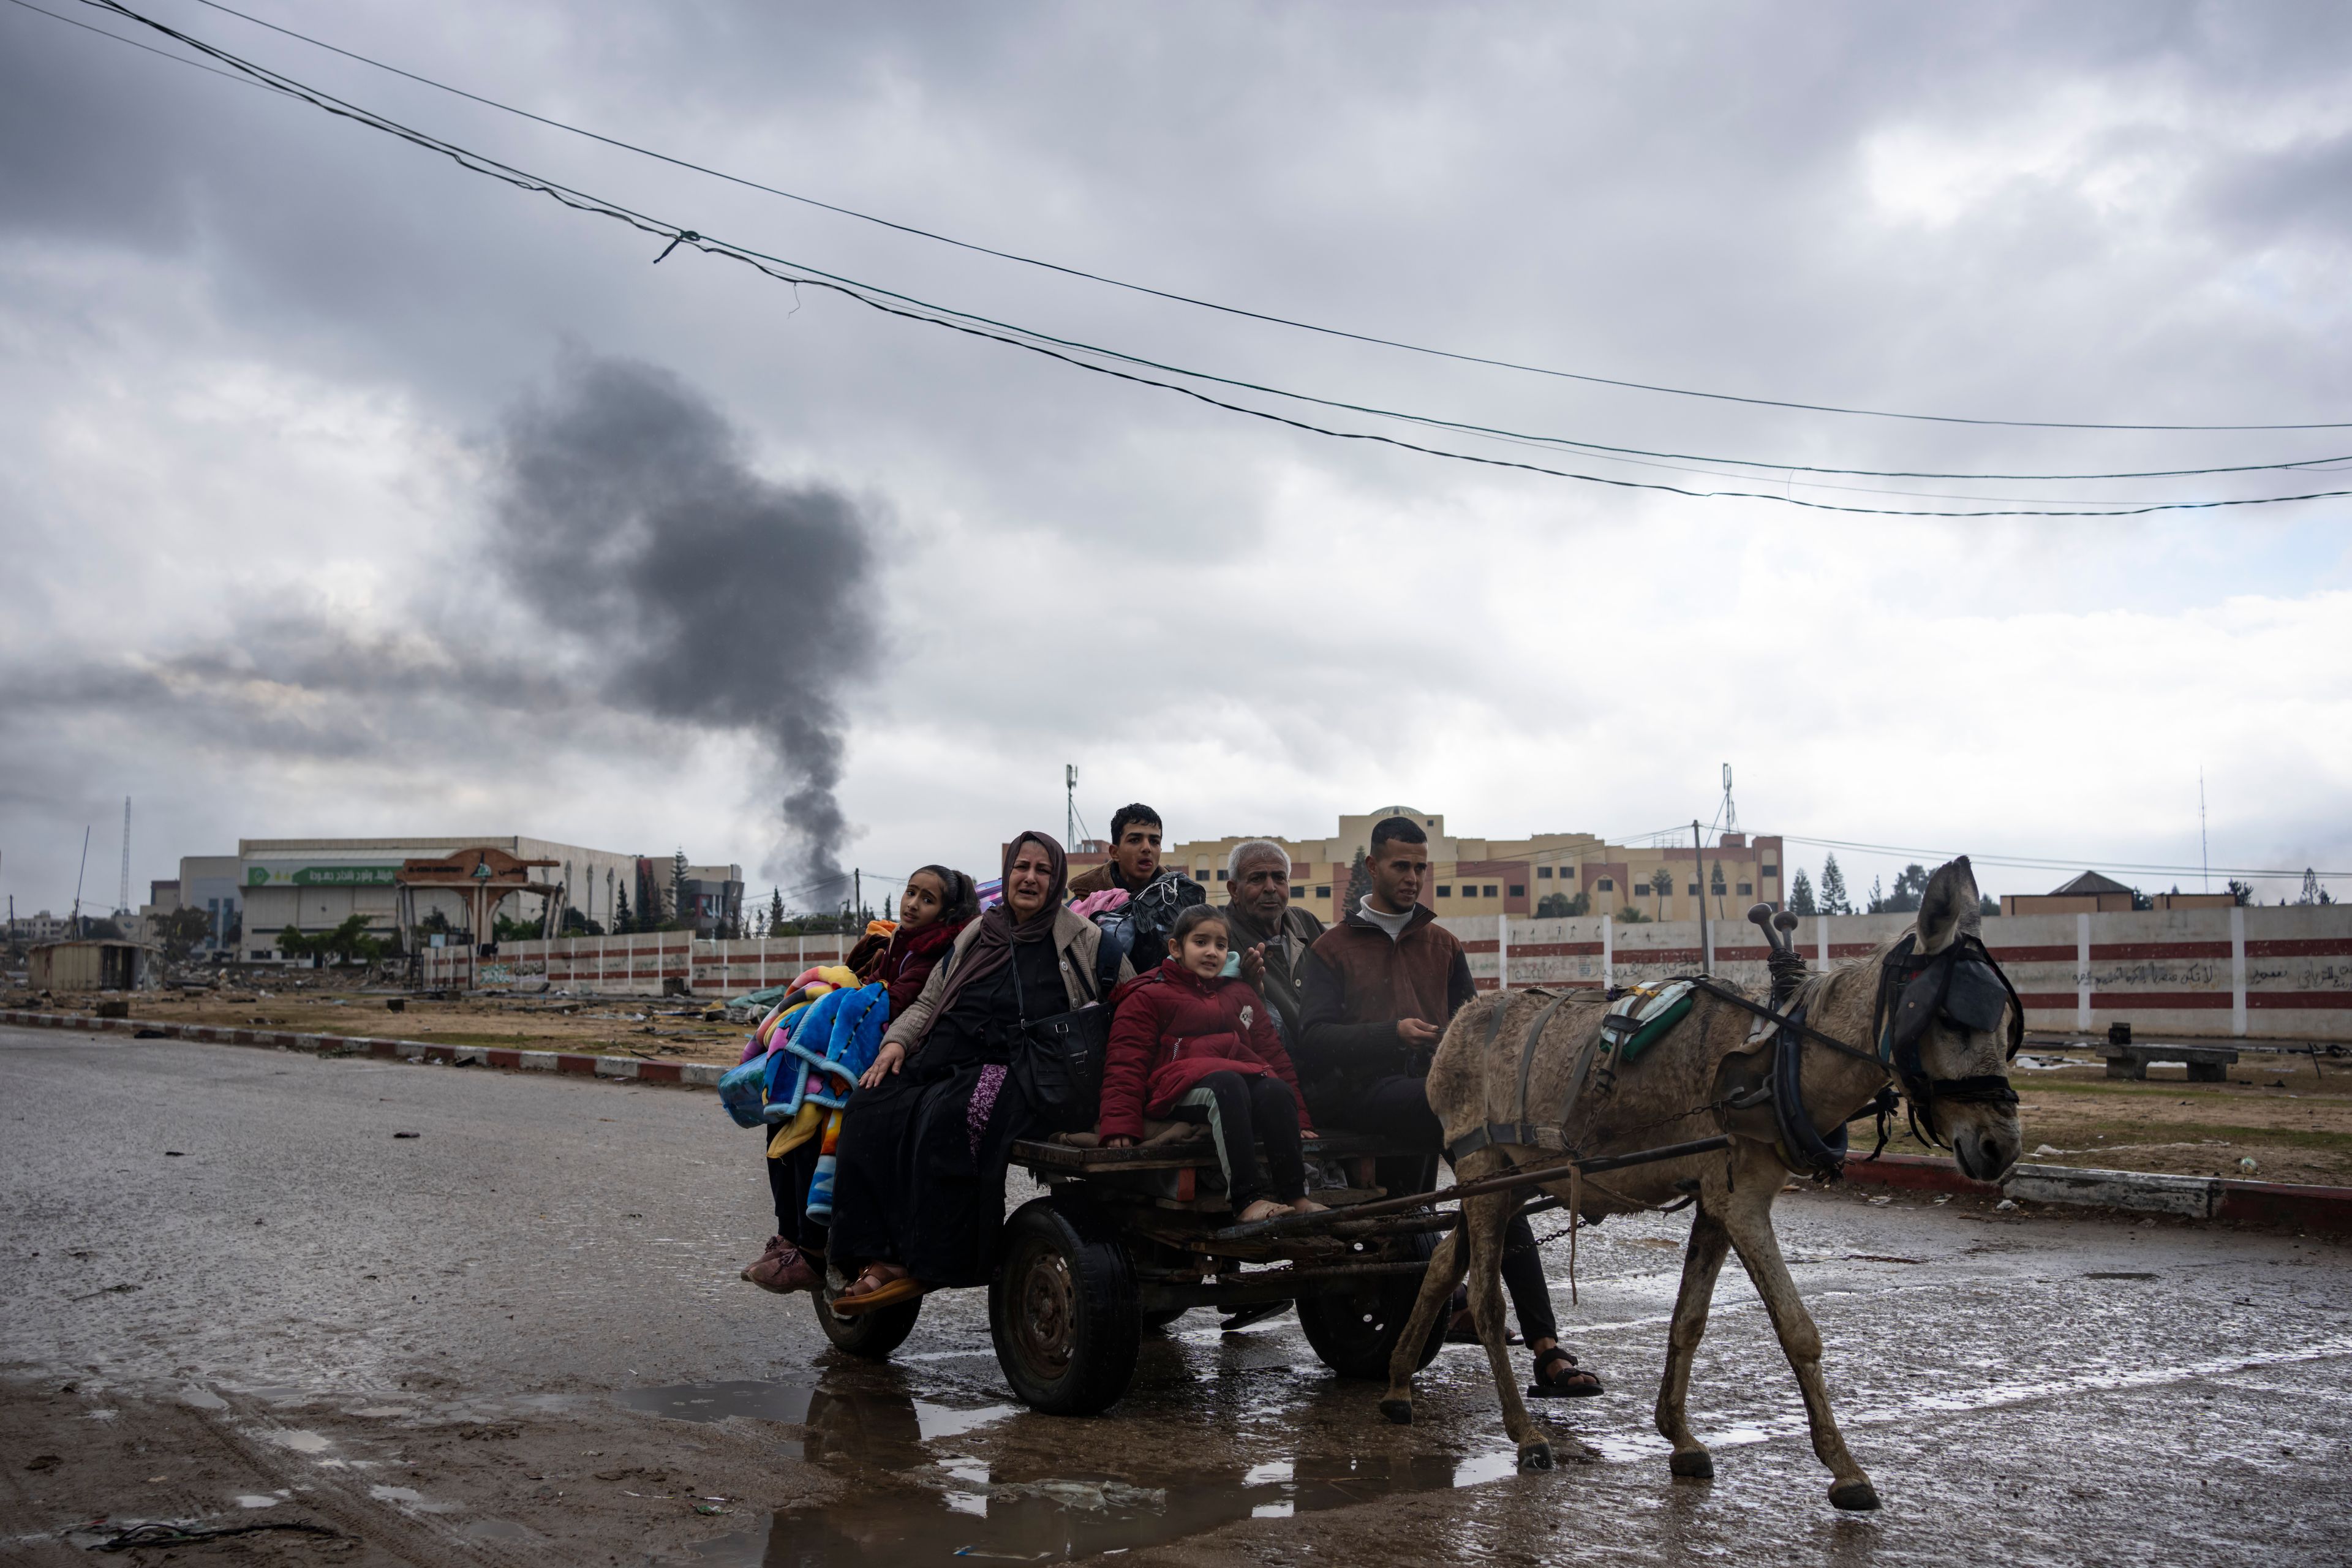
240,1232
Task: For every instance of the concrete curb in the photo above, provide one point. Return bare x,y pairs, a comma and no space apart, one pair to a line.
2323,1209
690,1075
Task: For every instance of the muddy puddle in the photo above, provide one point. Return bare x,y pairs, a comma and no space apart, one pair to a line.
913,1501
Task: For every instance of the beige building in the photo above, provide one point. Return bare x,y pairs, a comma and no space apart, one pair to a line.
1518,876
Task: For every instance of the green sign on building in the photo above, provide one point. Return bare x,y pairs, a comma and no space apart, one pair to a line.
321,876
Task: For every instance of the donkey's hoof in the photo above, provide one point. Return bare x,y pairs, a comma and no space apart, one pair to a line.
1535,1456
1398,1410
1858,1497
1695,1463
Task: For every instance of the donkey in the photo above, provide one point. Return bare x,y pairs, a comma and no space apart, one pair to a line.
1506,1061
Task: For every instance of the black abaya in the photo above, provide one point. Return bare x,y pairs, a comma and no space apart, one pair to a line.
921,1158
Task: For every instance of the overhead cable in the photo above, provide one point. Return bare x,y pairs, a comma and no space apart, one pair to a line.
1631,456
1272,319
2044,863
1069,351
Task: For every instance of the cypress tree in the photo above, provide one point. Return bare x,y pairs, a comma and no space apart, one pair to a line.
1800,895
1359,885
1834,901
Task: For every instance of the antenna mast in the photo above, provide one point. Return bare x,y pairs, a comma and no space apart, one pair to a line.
2204,848
1070,794
1731,812
122,898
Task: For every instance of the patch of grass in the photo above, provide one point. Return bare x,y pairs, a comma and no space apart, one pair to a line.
2172,1088
2194,1131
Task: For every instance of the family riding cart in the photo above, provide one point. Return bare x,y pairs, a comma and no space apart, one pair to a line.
1125,1240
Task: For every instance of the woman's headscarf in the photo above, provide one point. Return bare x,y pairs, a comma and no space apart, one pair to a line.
991,949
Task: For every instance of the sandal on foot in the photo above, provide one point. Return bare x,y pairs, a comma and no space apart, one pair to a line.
1551,1383
876,1288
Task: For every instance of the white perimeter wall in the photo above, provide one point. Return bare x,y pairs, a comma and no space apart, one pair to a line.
2275,973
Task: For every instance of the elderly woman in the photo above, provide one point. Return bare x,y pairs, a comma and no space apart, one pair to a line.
920,1194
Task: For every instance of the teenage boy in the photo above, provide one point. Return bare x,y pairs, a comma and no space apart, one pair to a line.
1156,893
1378,991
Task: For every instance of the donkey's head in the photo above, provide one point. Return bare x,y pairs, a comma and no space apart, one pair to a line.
1953,1019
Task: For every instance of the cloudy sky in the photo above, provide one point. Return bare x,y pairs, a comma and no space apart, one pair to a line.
344,491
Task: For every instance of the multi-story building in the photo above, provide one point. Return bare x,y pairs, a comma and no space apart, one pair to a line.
1547,873
42,927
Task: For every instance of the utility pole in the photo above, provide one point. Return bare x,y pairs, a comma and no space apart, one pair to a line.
1699,859
73,926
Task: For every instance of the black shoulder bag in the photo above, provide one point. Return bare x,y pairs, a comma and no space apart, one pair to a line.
1058,1061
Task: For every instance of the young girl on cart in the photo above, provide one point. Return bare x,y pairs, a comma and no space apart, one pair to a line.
1191,1041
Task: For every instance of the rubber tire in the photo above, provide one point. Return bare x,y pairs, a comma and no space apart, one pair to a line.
873,1335
1063,1308
1354,1333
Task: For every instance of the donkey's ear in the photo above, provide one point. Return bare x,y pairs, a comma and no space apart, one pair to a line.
1949,906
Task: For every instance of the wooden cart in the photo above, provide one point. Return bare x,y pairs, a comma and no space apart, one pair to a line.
1126,1240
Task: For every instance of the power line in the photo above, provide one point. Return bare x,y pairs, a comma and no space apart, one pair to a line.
1067,351
1631,456
1245,313
2039,863
159,54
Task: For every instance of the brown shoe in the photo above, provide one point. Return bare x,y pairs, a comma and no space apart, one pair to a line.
784,1268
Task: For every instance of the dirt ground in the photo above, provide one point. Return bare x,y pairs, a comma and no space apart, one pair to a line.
404,1476
2288,1112
671,1028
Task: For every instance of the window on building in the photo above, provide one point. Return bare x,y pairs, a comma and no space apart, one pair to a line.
1607,884
1745,890
1543,873
1201,875
1768,870
1444,893
1221,874
1518,889
1323,892
1490,890
1694,888
1298,892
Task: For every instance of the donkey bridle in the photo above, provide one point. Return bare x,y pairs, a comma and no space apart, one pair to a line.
1963,983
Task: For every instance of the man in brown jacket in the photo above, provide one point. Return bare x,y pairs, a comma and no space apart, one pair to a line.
1377,992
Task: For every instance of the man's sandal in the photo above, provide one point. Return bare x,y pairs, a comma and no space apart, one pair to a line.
1553,1383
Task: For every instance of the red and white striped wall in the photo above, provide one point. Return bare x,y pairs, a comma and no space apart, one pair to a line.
2280,972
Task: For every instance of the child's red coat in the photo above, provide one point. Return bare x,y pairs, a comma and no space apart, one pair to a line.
1172,1029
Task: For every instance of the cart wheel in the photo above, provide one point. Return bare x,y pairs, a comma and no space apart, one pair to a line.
1063,1308
1355,1331
873,1335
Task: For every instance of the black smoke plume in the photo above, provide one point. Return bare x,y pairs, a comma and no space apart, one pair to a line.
625,512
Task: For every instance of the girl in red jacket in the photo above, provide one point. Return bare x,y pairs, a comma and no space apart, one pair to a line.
1186,1045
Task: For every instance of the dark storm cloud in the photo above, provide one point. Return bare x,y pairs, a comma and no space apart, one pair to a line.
712,596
